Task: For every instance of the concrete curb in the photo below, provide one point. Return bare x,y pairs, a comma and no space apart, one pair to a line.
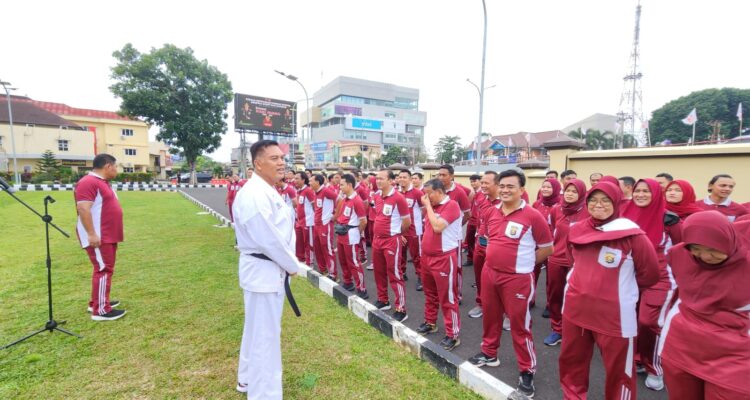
116,186
449,364
210,210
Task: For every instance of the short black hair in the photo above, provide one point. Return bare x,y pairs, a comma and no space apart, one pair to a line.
357,173
716,178
567,172
320,178
666,176
303,176
258,147
103,159
418,174
627,180
391,175
330,177
596,173
435,184
404,171
512,172
448,167
552,171
475,177
349,178
491,172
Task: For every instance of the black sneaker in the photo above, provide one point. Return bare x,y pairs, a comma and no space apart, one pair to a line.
449,343
481,359
349,287
419,285
112,303
468,263
363,294
545,313
426,329
400,316
382,306
110,316
406,277
526,384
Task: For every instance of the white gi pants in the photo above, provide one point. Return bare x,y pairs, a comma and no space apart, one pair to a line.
260,352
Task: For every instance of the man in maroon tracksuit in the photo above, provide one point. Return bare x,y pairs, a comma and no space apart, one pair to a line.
352,215
391,222
440,268
413,238
488,197
363,191
519,238
323,240
459,194
305,221
471,225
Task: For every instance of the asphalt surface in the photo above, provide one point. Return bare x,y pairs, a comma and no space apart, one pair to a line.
546,379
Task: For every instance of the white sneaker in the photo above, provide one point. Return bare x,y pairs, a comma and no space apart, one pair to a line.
241,387
369,267
506,324
655,382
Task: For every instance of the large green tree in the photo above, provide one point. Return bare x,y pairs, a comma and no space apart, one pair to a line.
395,154
714,107
448,149
185,97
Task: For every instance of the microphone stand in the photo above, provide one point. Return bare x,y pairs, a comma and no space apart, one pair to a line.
51,324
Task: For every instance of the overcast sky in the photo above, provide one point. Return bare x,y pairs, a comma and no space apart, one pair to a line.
554,62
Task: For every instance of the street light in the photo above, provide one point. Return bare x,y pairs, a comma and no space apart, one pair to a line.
477,145
481,90
16,175
307,99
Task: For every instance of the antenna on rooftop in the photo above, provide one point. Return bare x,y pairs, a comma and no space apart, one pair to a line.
630,112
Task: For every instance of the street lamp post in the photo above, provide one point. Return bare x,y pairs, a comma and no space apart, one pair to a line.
16,175
481,92
477,147
307,101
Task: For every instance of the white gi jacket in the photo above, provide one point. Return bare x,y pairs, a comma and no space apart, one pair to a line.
264,224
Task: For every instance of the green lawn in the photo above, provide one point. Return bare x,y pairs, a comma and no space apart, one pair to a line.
177,276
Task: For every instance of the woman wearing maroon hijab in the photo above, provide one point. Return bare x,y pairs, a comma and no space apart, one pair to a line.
612,259
648,210
680,197
706,341
571,211
549,196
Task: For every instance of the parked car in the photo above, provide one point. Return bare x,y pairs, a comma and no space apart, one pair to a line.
200,177
739,139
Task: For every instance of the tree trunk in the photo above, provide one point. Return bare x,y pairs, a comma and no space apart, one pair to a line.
193,179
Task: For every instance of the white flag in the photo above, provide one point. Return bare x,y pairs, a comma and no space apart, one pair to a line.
739,112
691,118
510,141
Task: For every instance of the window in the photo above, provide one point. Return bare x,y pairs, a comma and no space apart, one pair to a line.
128,170
129,152
356,135
62,145
1,141
390,115
127,132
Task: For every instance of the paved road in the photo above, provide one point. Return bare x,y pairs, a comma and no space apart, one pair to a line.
546,379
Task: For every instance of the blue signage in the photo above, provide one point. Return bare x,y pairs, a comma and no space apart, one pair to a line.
362,123
319,146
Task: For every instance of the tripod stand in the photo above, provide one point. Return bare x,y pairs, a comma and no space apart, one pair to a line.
51,324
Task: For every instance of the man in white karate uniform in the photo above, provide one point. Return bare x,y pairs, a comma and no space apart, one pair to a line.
264,225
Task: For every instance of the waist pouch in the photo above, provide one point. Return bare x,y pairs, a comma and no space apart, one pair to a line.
341,229
483,241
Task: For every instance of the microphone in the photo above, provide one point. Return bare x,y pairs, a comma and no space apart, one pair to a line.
6,186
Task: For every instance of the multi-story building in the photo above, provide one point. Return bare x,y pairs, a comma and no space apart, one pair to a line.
378,114
124,138
36,130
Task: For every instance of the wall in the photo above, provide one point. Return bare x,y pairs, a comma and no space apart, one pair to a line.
696,164
32,141
110,140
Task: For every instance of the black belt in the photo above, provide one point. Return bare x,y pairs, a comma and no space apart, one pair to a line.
287,288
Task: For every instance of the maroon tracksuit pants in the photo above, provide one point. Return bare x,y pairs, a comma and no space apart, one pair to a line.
439,274
414,247
509,294
652,311
304,244
575,362
470,240
479,256
351,267
683,385
103,260
556,278
323,241
386,256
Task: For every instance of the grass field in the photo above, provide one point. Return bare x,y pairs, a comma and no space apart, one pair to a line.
176,275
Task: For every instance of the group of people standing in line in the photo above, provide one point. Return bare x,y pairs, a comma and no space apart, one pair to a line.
653,277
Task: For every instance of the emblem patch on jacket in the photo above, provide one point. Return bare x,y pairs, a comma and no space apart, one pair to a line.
609,257
513,230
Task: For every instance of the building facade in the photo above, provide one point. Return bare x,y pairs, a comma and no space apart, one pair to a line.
376,114
36,130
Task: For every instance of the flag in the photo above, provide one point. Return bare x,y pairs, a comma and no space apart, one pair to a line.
644,125
510,141
739,112
528,139
691,118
